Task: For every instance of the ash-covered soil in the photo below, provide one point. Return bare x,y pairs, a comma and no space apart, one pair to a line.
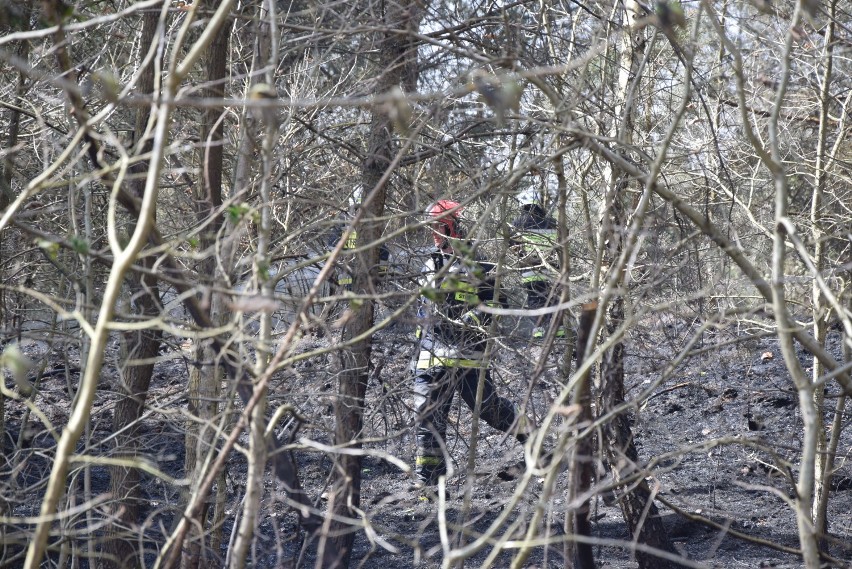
719,433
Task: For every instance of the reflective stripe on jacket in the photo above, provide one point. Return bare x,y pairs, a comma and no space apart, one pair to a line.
538,238
452,328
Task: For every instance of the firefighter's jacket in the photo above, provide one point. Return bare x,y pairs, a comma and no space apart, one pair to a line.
345,268
536,237
452,328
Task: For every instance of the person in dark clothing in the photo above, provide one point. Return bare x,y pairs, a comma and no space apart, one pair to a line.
344,271
452,339
537,238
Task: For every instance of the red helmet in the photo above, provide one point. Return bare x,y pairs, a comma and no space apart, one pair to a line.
446,215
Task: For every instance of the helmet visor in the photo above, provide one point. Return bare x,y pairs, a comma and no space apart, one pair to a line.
444,230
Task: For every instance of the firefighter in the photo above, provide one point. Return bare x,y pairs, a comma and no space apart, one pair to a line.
345,268
536,239
452,339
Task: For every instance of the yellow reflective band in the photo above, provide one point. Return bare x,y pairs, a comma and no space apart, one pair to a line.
351,241
539,332
428,461
344,280
534,278
467,297
472,315
546,238
464,291
427,361
540,235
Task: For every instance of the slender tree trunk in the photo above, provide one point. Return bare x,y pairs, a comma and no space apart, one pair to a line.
124,257
6,197
125,482
213,176
398,65
811,416
204,388
140,345
583,458
257,452
352,386
636,500
824,460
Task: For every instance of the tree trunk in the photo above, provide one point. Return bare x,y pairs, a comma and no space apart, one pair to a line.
398,59
352,386
125,482
582,465
143,345
6,193
6,197
636,500
824,459
204,387
257,451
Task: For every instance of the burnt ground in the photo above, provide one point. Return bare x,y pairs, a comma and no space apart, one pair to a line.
719,435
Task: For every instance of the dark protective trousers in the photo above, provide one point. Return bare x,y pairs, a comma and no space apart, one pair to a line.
433,397
538,293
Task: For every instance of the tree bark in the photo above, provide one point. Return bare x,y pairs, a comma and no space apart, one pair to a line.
204,387
6,193
143,345
6,196
636,501
824,459
125,482
582,464
398,62
257,455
